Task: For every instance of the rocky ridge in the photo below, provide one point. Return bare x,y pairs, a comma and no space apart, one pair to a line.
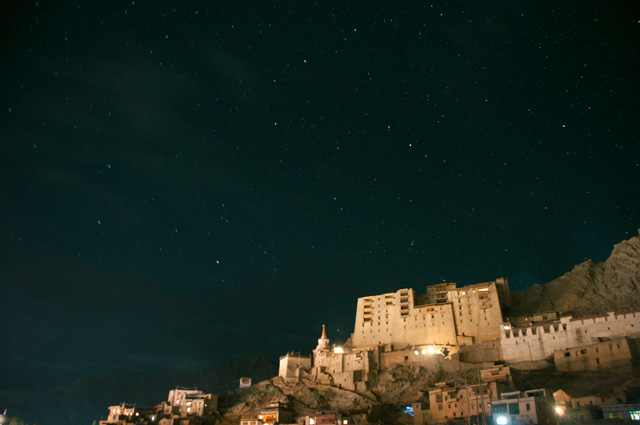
590,288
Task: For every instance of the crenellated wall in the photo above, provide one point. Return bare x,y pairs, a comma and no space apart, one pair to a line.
538,341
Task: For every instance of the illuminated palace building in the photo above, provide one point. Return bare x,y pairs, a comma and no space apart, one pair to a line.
465,325
445,315
404,327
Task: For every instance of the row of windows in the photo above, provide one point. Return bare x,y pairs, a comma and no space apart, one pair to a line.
369,319
584,351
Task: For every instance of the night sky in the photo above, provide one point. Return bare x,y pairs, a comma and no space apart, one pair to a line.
184,183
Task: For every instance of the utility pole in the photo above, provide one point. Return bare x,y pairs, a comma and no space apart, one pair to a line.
466,388
484,416
477,391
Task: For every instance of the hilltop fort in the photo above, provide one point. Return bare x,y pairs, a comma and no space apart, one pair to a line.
449,353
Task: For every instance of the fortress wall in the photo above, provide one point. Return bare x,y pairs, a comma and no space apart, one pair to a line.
595,356
334,363
290,363
539,341
350,365
347,380
356,361
490,351
409,357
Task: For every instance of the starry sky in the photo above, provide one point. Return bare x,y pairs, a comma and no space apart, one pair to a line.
183,183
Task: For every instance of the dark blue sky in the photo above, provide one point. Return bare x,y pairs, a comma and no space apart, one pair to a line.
183,183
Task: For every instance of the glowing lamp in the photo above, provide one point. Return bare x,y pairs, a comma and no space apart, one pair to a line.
338,350
431,350
559,410
501,420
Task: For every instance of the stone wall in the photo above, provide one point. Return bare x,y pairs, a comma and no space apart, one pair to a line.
290,365
478,353
416,356
539,341
596,356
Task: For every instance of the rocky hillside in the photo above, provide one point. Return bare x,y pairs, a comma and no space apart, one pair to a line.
590,287
302,397
399,385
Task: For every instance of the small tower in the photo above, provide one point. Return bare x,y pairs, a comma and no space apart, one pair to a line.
323,341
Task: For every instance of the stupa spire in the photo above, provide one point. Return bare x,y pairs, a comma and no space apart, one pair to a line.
323,341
